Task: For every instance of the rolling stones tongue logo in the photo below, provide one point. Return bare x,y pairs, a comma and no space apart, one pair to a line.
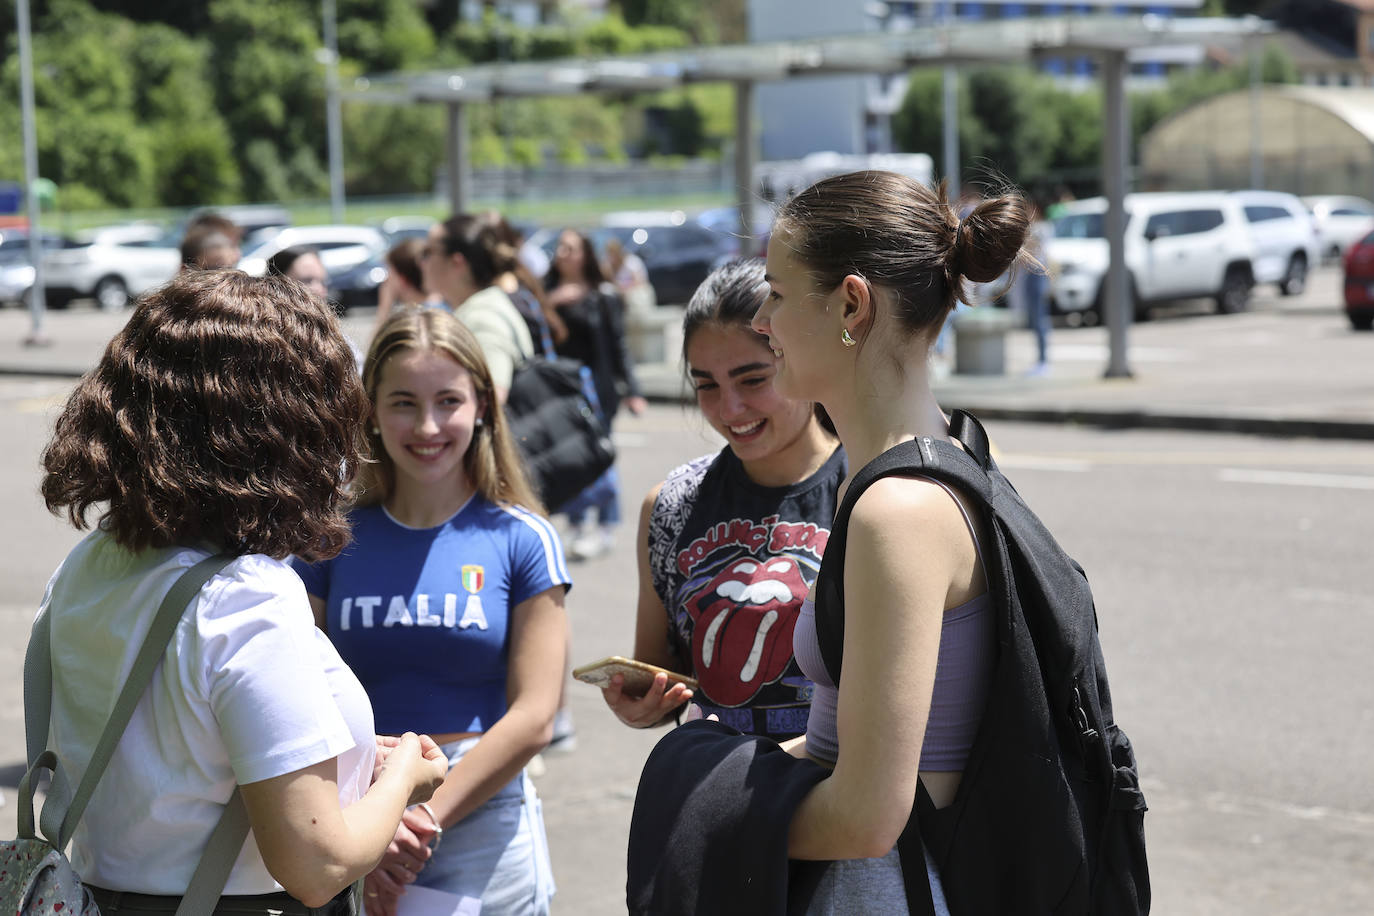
744,617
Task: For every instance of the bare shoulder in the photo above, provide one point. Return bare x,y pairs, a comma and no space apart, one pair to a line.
646,508
912,513
902,500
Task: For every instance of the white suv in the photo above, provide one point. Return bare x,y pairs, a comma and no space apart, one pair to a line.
1286,242
1177,246
111,265
340,247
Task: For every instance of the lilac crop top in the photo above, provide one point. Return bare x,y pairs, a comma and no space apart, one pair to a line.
963,675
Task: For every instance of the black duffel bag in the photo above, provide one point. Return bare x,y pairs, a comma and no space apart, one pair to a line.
564,440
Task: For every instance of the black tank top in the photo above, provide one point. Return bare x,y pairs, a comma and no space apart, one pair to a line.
732,562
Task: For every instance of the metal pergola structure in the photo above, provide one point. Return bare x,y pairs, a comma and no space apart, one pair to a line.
1108,39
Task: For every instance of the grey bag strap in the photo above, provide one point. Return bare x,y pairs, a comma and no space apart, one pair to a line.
229,834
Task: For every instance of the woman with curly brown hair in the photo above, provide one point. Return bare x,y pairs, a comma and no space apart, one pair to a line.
223,418
449,606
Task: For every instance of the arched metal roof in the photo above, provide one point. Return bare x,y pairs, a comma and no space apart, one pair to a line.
1000,41
1108,38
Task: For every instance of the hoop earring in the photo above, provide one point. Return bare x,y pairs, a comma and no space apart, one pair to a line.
847,340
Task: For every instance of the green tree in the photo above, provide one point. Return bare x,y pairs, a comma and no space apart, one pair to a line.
269,87
392,149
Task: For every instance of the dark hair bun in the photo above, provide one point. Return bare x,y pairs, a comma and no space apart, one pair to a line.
990,238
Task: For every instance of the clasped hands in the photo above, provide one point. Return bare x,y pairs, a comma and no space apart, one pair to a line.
417,836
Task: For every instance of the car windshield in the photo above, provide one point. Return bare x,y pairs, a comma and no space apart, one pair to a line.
1079,226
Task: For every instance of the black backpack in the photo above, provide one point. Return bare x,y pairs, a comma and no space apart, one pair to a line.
565,443
1049,816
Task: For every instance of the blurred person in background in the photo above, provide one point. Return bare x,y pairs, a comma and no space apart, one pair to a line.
404,283
525,289
459,264
210,241
468,633
630,276
302,264
594,316
1031,287
779,472
206,248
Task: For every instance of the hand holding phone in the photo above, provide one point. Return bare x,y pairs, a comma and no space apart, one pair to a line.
637,676
641,695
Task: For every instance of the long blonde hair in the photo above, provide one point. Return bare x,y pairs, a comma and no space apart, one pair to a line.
492,461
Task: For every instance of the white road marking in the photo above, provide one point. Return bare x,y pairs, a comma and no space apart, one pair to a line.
1044,463
1296,479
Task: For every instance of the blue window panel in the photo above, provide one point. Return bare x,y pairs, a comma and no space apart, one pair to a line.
973,11
1160,10
1013,10
1054,9
1055,66
1153,68
1083,66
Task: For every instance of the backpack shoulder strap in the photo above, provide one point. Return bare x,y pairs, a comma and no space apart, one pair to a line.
226,840
925,456
159,636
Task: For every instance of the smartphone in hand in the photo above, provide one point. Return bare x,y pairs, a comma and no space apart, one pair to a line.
639,676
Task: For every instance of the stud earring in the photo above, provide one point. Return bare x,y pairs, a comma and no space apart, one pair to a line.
376,431
847,340
477,422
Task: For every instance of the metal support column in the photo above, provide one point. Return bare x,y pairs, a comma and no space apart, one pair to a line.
459,176
1256,157
37,297
951,132
746,156
1116,299
333,112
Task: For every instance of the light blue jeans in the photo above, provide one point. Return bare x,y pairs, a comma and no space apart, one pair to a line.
499,852
854,887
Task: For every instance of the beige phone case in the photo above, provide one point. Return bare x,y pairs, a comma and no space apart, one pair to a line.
639,676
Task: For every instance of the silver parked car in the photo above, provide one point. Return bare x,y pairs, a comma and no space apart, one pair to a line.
1341,221
340,247
111,264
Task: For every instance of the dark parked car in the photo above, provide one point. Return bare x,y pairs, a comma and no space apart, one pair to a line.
1359,283
677,255
357,286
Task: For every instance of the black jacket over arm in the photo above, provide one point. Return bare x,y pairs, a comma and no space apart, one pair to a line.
710,823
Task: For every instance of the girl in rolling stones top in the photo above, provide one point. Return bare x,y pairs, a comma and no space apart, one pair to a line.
730,543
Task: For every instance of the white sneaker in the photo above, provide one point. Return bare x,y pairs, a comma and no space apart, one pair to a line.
592,544
564,733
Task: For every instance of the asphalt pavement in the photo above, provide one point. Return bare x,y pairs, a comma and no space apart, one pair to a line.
1289,367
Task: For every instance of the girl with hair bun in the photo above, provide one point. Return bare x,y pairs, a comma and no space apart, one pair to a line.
862,270
448,604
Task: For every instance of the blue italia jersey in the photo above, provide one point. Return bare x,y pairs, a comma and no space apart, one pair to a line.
422,615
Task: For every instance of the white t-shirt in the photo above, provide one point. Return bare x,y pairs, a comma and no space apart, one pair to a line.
249,689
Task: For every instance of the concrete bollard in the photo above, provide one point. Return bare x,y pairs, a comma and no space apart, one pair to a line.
655,337
980,340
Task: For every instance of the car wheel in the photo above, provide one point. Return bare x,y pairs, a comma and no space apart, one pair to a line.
1362,322
1234,295
1295,278
111,294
